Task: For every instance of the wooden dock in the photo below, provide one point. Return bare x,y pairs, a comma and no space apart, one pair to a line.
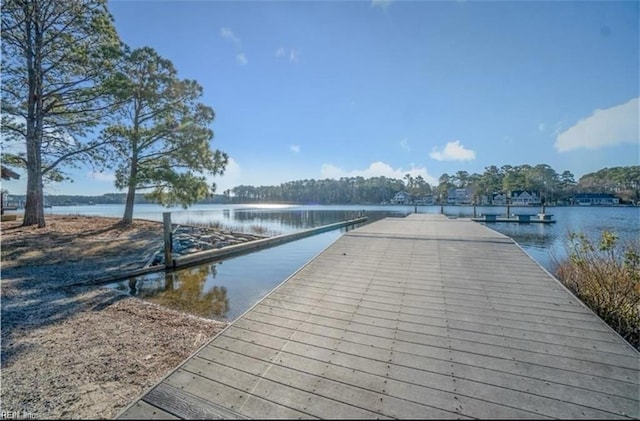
417,317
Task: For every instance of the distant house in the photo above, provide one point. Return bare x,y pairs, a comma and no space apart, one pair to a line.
589,199
428,200
498,199
459,197
401,198
524,198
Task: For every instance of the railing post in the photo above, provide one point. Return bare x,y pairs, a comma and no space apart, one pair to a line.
168,243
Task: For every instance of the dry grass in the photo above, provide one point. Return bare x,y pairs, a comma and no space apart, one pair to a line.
606,277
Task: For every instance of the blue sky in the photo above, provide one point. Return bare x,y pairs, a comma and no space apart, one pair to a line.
325,89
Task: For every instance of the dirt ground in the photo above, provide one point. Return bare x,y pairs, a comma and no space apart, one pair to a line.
78,353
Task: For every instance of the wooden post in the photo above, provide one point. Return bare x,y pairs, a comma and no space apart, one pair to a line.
168,241
508,211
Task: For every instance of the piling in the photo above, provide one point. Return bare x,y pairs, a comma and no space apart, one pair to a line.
168,243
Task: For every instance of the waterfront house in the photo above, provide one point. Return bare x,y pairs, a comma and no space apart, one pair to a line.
428,200
498,199
589,199
524,198
459,197
401,198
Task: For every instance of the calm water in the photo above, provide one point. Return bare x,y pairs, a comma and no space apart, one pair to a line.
224,290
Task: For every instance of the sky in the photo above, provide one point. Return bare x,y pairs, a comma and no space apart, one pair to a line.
330,89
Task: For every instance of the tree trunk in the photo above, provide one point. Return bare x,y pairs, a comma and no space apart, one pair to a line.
127,219
34,206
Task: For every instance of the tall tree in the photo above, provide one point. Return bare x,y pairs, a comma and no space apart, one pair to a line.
55,55
162,138
445,182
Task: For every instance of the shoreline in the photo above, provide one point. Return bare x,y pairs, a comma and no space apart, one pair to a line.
83,352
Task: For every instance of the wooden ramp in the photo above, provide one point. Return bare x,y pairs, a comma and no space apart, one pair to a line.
417,317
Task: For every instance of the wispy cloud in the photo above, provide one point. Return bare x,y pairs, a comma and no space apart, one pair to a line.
383,4
377,169
101,176
242,59
291,54
228,34
608,127
404,144
295,148
453,151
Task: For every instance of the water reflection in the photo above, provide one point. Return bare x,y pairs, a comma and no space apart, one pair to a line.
223,290
278,221
183,290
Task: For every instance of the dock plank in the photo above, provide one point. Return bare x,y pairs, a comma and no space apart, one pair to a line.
417,317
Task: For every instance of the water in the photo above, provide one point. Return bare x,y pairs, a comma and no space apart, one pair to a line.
224,290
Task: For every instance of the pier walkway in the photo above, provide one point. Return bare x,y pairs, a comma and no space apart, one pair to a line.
417,317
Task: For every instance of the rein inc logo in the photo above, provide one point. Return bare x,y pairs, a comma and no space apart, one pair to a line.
17,415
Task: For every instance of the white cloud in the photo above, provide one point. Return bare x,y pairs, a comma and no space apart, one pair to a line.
295,148
383,4
291,54
101,176
453,151
227,33
404,143
242,59
609,127
377,169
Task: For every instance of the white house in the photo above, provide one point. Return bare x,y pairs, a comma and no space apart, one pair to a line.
401,198
524,198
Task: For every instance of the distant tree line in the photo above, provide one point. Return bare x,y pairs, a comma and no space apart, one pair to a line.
624,182
549,185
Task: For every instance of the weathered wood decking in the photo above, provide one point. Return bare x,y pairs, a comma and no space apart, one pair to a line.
420,317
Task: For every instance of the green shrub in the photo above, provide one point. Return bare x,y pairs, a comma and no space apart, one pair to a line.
606,277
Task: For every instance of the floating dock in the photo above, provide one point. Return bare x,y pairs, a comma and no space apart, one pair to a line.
522,218
417,317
